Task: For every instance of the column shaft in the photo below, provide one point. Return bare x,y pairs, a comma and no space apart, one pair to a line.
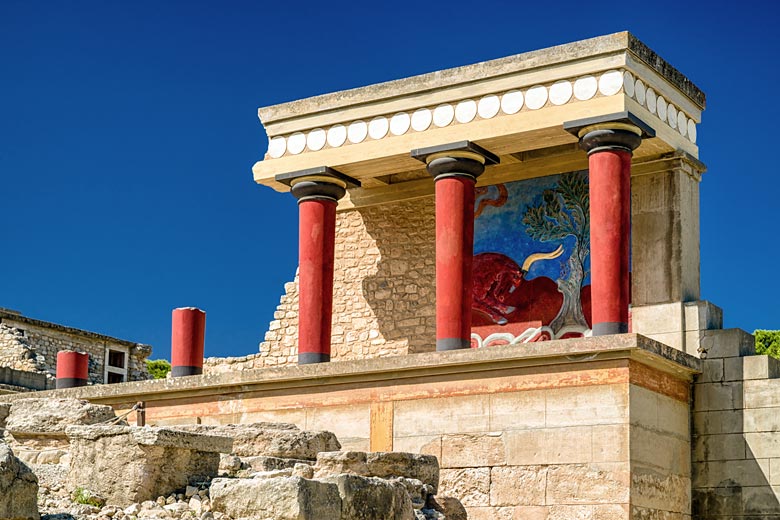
610,232
454,253
188,332
317,235
72,369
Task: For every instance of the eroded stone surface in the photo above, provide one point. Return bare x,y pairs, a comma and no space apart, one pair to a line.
128,464
280,440
372,498
18,488
281,498
379,464
51,416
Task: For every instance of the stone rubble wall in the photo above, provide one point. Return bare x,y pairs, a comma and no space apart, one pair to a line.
33,348
384,301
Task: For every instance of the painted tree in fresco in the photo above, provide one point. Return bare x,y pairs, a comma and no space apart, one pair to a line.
565,211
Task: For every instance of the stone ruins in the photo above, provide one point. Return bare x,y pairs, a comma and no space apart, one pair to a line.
497,314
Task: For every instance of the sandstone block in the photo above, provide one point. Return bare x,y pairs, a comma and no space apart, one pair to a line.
424,468
372,498
451,508
727,343
280,440
18,488
263,463
470,485
282,498
518,485
471,450
52,416
588,483
654,490
754,367
129,464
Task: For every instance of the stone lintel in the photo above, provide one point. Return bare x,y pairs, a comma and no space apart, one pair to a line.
422,154
396,369
574,127
151,436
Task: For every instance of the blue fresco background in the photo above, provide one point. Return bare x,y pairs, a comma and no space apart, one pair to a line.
501,229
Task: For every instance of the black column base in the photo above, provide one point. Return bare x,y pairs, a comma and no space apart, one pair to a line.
443,345
184,371
308,358
70,382
609,327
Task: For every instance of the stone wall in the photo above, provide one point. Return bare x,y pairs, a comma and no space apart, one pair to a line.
32,345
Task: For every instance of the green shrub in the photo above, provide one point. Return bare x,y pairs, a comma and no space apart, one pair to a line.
87,497
768,342
158,368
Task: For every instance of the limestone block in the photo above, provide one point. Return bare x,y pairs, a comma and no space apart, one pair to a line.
271,439
549,446
718,396
581,406
504,407
702,315
350,423
52,416
128,464
588,483
281,498
673,339
262,463
18,488
371,498
724,473
611,443
490,513
729,446
763,445
726,421
733,369
727,343
712,371
467,414
762,393
469,451
469,485
760,367
424,444
761,502
665,452
664,492
518,485
451,508
530,513
657,319
424,468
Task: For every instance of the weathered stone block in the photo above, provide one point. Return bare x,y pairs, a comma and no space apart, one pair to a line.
467,451
424,468
582,406
588,483
717,396
729,446
724,473
128,464
271,439
660,491
702,315
470,485
467,414
549,446
518,485
372,498
504,407
281,498
5,408
51,416
18,488
725,421
711,371
727,343
760,367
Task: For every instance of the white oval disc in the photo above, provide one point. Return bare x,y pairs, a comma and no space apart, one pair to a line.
378,127
692,131
671,115
421,119
512,102
639,92
536,97
399,123
610,82
652,101
466,111
488,106
296,143
585,88
357,131
560,92
682,123
661,108
443,115
628,84
316,139
277,146
337,134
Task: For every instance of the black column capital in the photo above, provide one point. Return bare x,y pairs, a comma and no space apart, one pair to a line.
621,131
321,183
460,159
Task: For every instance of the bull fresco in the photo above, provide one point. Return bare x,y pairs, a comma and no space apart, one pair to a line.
531,270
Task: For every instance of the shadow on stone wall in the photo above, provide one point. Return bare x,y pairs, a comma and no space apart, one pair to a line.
736,444
402,292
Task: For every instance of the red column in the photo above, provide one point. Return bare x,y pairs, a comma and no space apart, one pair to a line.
609,148
316,243
188,328
72,369
454,253
455,168
318,191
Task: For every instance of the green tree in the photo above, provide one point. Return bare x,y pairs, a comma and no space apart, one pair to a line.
563,212
158,368
768,342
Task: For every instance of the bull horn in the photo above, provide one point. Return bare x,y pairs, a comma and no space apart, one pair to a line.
541,256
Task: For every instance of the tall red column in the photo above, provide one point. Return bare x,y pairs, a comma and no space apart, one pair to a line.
72,369
609,147
455,168
318,191
188,329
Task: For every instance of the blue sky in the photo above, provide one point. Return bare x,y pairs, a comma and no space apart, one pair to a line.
128,131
